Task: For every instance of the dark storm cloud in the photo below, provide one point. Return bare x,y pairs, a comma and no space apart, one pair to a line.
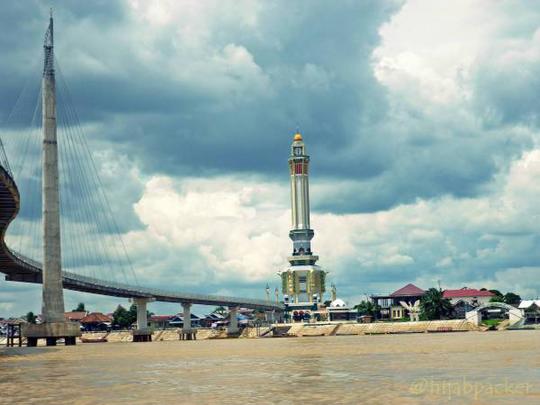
316,60
177,127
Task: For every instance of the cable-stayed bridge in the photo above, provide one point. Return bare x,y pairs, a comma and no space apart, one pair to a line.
94,258
18,267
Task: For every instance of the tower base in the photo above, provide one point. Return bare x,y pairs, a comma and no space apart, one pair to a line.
51,332
303,284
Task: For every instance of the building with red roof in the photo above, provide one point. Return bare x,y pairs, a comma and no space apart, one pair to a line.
410,290
469,296
390,304
96,321
75,316
160,321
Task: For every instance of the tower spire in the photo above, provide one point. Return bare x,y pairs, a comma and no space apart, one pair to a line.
48,47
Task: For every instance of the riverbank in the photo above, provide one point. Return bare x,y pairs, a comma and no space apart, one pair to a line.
296,330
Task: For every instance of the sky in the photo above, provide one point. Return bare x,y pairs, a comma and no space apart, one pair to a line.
420,117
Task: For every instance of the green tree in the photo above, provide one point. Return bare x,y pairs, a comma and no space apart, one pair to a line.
124,318
220,310
30,317
434,306
511,298
498,297
367,308
80,308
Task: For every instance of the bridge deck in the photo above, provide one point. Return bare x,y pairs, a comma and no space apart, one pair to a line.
19,268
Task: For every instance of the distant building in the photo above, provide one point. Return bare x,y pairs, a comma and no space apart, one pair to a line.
390,307
72,316
211,320
96,321
160,321
338,310
75,316
467,295
177,321
531,311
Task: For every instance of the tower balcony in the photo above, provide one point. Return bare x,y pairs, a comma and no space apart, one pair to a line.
298,260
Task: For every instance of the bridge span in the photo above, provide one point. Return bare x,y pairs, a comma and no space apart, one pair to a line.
17,267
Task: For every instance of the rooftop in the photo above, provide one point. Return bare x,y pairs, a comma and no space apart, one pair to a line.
75,315
527,303
161,318
95,317
466,292
410,290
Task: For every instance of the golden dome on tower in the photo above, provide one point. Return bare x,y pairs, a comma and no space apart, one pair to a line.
297,137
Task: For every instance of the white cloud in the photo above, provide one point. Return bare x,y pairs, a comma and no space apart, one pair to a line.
428,49
237,227
229,222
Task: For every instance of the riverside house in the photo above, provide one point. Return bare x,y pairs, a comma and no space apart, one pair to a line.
390,304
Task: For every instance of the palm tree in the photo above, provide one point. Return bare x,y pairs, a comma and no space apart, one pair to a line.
434,306
220,310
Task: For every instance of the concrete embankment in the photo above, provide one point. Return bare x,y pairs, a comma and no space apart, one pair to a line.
298,330
377,328
454,325
301,330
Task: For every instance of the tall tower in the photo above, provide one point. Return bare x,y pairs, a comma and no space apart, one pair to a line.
53,296
54,325
303,282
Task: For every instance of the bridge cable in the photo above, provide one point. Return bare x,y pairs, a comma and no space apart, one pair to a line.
90,172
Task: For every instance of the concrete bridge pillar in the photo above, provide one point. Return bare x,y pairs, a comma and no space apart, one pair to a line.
233,329
187,333
142,333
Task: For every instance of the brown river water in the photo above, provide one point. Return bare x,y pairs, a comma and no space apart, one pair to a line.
458,368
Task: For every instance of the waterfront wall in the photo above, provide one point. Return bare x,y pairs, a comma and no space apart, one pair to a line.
300,330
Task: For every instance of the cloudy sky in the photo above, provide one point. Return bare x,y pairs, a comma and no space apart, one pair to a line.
421,119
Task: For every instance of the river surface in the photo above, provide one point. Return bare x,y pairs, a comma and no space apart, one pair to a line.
463,368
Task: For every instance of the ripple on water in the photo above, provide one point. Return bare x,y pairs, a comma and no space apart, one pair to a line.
348,369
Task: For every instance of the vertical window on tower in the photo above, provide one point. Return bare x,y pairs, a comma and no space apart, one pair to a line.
305,168
302,280
298,168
